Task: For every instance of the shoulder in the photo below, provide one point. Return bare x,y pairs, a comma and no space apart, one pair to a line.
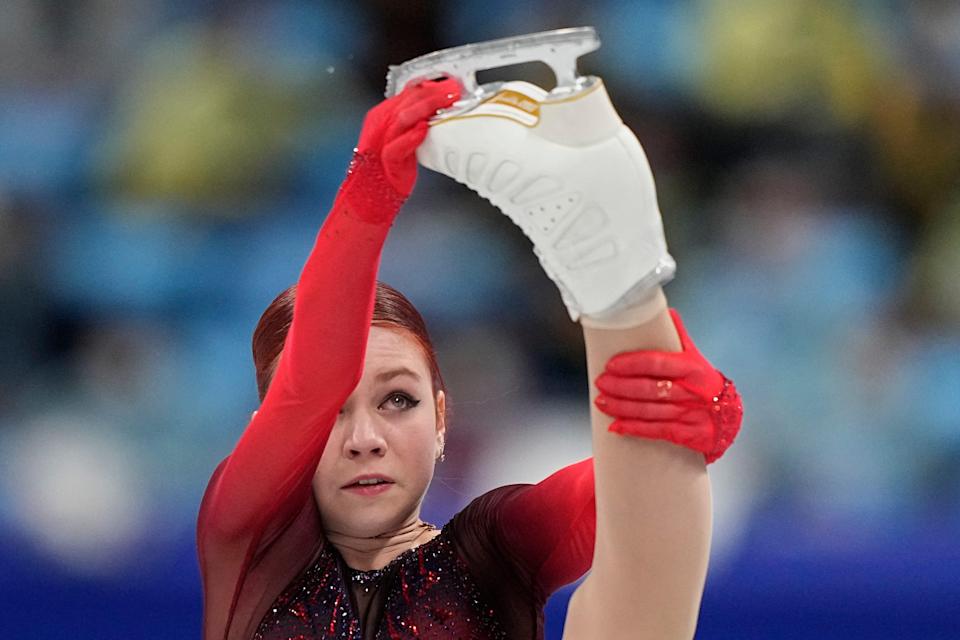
478,538
204,515
484,510
476,531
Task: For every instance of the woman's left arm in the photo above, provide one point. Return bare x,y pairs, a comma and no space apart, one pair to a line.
653,508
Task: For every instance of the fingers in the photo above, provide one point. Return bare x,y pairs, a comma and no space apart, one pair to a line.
681,329
662,364
687,436
397,157
644,388
444,84
406,143
650,411
393,117
653,364
685,340
420,106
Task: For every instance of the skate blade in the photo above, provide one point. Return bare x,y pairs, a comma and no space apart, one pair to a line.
558,49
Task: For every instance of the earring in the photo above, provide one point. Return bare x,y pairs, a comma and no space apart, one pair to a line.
442,455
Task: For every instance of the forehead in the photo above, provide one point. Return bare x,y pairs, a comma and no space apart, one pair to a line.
392,348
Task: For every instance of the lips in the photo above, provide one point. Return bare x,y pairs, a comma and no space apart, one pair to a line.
367,477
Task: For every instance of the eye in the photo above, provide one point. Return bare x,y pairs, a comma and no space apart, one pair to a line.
398,401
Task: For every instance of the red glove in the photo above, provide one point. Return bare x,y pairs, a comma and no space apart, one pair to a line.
678,397
384,166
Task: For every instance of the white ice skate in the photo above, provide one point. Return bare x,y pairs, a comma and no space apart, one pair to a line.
560,164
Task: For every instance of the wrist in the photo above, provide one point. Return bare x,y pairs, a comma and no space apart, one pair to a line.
367,191
726,413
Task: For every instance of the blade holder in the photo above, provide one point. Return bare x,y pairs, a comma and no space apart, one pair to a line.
558,49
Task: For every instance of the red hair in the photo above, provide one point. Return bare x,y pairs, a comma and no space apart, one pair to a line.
391,309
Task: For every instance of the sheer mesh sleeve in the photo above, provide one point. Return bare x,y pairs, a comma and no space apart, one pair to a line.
531,538
262,486
550,526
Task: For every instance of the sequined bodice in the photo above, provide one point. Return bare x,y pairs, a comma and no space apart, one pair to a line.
426,592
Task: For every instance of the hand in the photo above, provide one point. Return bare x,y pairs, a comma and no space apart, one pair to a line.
394,129
678,397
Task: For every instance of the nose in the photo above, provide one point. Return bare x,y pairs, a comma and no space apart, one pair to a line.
364,438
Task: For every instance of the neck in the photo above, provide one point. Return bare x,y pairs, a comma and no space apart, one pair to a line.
375,552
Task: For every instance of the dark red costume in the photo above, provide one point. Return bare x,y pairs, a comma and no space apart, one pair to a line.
487,575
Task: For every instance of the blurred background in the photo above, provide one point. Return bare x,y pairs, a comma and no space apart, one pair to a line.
164,168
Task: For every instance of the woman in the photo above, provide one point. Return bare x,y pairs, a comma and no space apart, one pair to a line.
311,528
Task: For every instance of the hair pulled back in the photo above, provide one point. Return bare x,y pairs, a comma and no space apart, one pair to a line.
391,309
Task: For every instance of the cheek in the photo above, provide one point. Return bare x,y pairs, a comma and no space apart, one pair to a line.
416,442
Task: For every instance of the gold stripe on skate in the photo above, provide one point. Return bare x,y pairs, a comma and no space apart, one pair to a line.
514,106
518,100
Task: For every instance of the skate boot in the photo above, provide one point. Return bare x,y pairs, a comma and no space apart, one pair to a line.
560,164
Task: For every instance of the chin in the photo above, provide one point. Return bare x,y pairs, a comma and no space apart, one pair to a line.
371,520
371,524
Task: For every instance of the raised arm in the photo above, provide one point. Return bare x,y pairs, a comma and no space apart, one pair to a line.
271,466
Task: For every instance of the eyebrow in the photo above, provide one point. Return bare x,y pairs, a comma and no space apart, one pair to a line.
393,373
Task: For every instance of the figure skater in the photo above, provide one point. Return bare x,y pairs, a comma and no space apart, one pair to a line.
311,527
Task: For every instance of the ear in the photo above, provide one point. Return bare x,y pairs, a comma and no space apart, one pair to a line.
441,409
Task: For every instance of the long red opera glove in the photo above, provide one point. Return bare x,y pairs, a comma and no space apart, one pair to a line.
249,533
678,397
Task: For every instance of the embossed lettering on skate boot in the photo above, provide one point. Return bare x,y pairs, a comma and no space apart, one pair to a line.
503,176
451,157
583,243
476,163
547,214
539,187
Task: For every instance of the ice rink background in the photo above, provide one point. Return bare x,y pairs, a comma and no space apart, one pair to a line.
164,167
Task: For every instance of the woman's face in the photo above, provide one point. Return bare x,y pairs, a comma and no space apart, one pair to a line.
391,428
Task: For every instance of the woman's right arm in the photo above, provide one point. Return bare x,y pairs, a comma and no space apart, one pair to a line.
322,358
